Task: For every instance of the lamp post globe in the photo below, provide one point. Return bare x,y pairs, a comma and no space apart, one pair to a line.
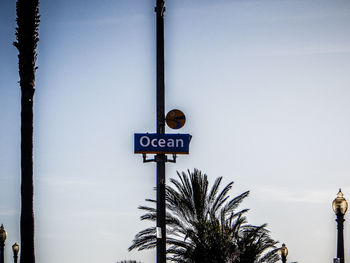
340,206
284,253
3,236
15,250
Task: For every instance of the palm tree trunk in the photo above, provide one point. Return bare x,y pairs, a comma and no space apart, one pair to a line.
27,39
27,188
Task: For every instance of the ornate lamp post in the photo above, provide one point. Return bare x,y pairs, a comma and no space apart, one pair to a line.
15,249
340,206
284,253
3,236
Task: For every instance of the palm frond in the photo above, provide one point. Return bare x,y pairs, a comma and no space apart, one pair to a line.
204,224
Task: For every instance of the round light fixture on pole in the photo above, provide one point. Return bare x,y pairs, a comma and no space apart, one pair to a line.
284,253
3,236
340,206
15,250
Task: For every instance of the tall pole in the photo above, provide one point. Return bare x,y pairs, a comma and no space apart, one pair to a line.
3,236
340,242
340,206
160,158
15,250
284,253
2,257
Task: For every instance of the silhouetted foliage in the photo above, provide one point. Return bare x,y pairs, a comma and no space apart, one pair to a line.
205,225
27,39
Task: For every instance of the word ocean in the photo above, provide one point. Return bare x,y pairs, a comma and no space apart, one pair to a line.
161,143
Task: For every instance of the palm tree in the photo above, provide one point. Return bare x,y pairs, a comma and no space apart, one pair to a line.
27,39
256,245
203,224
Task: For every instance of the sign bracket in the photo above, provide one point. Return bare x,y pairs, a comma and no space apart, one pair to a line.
159,158
174,159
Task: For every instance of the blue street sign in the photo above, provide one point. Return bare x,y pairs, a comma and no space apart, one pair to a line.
161,143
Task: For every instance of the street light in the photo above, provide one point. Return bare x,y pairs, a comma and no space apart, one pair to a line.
3,236
340,205
15,249
284,253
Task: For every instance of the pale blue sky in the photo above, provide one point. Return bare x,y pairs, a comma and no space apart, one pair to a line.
265,86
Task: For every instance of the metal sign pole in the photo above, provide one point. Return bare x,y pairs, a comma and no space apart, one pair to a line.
160,158
161,143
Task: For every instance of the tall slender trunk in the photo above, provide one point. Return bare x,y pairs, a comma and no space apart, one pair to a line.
27,39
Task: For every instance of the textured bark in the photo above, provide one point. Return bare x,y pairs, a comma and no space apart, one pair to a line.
27,39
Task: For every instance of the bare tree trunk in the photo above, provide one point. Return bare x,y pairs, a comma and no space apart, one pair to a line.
27,39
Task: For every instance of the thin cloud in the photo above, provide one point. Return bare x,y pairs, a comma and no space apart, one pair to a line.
8,213
276,194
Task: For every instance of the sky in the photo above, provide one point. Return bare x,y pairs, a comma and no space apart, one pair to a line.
264,85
